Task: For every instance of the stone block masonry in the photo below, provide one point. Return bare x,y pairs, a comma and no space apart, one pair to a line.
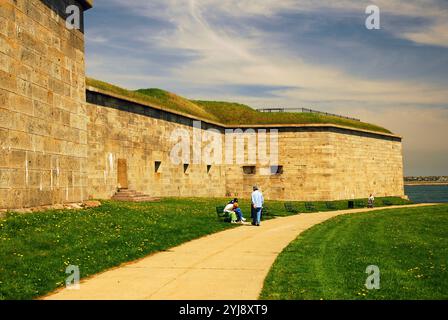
61,142
43,120
318,163
140,135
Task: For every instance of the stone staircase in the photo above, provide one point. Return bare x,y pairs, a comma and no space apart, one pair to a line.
132,196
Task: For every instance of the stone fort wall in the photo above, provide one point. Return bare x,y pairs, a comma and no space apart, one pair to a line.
43,116
57,145
319,163
119,129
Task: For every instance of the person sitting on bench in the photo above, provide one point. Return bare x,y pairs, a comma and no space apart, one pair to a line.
232,208
236,208
229,210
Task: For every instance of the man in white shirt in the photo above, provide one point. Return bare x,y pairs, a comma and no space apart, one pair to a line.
257,206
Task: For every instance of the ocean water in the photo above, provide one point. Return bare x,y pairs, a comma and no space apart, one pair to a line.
425,194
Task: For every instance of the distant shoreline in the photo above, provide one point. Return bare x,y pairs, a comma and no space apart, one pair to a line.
422,183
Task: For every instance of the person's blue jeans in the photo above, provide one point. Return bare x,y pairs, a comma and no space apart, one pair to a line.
239,213
256,216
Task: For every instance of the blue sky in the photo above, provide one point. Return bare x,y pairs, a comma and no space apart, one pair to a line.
290,53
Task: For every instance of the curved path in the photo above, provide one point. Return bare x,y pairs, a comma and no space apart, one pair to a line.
227,265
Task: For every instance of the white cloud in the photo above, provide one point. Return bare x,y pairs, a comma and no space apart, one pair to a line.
243,60
436,35
224,57
96,38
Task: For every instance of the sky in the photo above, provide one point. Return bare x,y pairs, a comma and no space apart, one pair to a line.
289,53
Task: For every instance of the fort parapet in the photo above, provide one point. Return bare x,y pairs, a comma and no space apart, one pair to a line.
62,142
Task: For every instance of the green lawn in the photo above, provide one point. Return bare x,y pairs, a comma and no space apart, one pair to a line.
239,114
328,261
35,249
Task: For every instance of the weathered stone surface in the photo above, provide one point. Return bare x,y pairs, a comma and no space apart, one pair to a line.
56,148
318,163
41,121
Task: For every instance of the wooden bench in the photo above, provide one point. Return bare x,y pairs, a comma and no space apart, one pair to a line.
266,212
330,205
360,204
309,206
221,214
291,208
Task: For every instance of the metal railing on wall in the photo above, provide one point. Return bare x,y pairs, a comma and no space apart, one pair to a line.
305,110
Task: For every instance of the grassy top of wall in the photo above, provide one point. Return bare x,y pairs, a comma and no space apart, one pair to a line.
240,114
227,113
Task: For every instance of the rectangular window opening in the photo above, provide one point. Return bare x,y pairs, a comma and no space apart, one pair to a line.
157,165
276,169
186,167
209,167
249,169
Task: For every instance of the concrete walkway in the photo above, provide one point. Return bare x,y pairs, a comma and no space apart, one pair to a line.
229,265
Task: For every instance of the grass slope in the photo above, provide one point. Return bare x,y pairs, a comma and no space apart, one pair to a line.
158,97
328,261
239,114
225,112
